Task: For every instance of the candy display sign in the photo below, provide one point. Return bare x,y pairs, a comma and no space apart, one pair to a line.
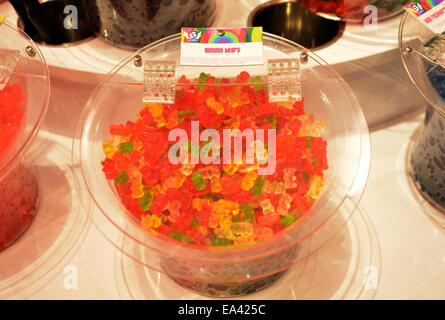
222,47
430,12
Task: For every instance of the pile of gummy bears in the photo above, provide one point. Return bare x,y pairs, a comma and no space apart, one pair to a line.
217,204
18,189
11,115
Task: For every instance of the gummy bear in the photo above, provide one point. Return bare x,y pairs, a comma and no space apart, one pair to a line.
215,105
315,187
230,169
267,207
289,178
215,185
109,149
248,180
284,204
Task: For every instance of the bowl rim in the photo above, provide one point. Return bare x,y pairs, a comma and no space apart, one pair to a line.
44,107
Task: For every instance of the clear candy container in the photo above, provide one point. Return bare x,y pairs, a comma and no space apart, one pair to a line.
135,210
24,96
423,55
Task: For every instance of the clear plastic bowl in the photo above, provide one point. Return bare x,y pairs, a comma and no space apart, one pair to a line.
230,271
422,53
18,188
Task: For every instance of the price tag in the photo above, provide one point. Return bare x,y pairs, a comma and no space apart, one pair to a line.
222,47
431,13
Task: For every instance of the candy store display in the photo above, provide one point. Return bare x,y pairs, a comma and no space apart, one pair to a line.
221,230
23,102
423,54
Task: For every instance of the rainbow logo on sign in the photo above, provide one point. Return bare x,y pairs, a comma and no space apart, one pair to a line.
419,7
213,35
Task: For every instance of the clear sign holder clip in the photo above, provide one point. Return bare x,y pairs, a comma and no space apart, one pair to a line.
284,77
8,62
159,81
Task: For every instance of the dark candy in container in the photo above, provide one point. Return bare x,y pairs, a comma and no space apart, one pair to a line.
423,55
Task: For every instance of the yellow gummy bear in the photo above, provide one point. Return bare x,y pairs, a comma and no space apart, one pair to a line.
315,187
225,222
215,105
310,128
187,169
248,180
155,109
109,149
137,190
151,221
230,169
237,231
225,207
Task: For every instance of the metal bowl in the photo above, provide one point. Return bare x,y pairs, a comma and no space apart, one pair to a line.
291,20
